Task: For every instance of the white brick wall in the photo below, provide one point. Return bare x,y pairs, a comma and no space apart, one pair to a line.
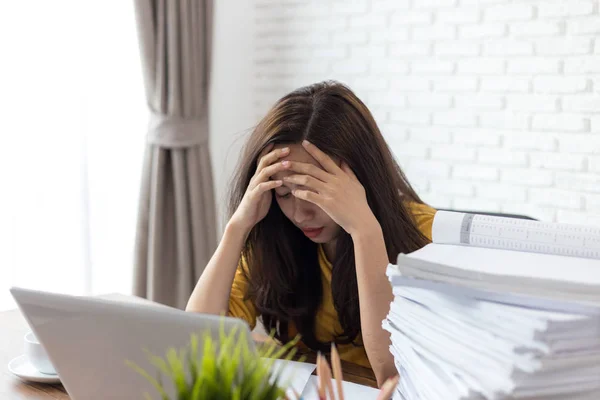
488,105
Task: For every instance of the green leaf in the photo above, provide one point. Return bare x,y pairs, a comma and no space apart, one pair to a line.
193,358
159,363
196,389
149,378
176,365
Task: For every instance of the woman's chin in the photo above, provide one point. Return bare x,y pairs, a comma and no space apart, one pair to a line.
319,240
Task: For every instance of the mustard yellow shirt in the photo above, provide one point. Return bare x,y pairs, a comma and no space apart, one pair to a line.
327,324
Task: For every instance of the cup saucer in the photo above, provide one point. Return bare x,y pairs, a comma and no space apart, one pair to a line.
22,368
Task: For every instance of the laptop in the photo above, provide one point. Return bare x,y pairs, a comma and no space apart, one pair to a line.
89,339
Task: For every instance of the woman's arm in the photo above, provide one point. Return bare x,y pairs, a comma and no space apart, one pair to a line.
211,294
375,295
338,192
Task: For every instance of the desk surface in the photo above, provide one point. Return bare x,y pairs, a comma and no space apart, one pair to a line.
13,327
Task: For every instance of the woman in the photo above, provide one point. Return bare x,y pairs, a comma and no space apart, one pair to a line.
318,210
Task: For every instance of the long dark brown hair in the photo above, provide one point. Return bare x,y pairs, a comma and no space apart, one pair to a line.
282,263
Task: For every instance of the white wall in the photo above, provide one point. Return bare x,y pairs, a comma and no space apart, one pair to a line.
488,105
231,103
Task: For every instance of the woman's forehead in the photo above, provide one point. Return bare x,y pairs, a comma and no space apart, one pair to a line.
298,154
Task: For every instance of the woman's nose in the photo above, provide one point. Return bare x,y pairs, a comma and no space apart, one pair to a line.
302,211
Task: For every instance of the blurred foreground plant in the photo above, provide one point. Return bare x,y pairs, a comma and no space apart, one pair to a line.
227,369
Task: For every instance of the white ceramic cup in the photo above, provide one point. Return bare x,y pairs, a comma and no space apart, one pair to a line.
37,355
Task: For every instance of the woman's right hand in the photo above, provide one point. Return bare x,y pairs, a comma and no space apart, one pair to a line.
257,200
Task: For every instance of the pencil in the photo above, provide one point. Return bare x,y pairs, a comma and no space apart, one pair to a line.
321,378
337,371
298,396
388,388
327,372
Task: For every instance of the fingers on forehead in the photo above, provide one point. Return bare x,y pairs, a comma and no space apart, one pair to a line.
303,166
265,151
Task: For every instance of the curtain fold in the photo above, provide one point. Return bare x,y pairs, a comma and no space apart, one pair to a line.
176,230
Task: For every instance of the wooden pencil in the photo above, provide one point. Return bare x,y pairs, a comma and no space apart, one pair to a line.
336,364
321,378
387,389
298,396
327,372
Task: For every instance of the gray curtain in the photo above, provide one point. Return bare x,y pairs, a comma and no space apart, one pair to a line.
176,231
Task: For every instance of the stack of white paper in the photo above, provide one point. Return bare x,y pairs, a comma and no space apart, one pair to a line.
469,322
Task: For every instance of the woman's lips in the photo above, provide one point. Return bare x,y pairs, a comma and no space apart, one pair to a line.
312,232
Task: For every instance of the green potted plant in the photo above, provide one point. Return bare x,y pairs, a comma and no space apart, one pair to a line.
228,369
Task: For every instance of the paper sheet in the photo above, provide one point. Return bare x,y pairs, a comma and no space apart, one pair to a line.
499,262
294,372
352,391
516,234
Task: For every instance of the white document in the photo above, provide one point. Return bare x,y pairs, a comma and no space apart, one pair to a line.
511,256
512,263
497,295
295,375
298,375
352,391
516,234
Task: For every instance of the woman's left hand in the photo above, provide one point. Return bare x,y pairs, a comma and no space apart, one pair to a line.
335,189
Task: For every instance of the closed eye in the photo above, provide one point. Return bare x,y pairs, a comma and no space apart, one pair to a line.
283,196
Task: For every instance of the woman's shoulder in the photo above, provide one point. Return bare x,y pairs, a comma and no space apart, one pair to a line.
420,208
423,215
